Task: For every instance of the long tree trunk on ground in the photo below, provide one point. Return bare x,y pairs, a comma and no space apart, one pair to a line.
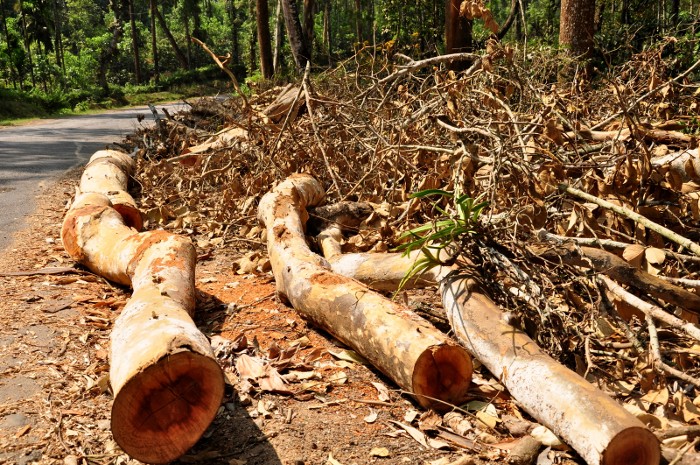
576,26
294,33
154,41
167,384
173,43
416,356
263,20
458,32
597,427
135,43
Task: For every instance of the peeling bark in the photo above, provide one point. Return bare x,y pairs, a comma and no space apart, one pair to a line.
378,271
167,384
412,353
596,426
108,172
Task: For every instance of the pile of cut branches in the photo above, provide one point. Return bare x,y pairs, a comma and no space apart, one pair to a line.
589,240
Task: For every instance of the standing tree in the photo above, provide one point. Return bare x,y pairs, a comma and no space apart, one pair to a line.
577,26
458,32
277,59
264,42
308,25
135,43
154,41
296,38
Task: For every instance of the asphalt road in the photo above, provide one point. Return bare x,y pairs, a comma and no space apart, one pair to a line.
33,155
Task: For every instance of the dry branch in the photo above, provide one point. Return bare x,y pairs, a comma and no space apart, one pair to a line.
166,382
224,68
651,310
634,216
618,269
598,428
416,356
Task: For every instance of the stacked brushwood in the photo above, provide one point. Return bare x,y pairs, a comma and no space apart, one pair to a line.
589,241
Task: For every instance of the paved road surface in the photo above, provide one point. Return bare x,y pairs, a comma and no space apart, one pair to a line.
34,154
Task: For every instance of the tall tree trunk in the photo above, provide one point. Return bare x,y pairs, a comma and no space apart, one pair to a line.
308,25
358,21
178,53
264,42
576,26
675,9
296,38
58,36
458,33
112,48
625,12
253,45
279,38
27,44
188,40
235,49
154,41
13,71
327,30
135,43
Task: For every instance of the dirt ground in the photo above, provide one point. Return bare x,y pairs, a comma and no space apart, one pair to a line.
55,400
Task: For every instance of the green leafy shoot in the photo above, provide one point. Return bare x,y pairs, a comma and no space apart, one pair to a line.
452,227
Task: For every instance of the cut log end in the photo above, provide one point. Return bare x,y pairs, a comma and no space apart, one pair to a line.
131,214
162,412
633,446
441,377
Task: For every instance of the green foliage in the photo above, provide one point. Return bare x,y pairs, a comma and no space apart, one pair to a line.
454,225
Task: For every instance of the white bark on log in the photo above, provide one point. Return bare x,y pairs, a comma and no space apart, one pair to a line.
412,353
378,271
108,173
596,426
684,166
166,381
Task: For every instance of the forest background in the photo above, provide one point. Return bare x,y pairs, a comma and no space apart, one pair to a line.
73,55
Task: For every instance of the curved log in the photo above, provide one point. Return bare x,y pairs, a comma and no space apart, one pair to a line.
166,381
108,173
412,353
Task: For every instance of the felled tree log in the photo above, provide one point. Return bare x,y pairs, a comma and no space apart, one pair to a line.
598,428
378,271
167,384
108,172
413,354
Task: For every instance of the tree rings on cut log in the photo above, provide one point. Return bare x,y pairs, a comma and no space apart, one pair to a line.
441,377
633,446
160,413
